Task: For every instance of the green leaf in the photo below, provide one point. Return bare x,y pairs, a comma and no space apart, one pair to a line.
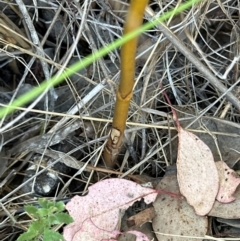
53,209
38,225
43,202
59,218
32,210
43,212
60,206
29,235
51,235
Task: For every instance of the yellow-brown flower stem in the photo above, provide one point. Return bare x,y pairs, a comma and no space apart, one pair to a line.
125,91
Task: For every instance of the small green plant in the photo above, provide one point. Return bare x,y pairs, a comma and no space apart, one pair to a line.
48,214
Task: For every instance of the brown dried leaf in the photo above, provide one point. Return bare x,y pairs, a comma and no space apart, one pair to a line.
196,171
229,181
140,218
174,216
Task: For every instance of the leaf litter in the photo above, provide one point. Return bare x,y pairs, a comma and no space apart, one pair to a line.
197,180
196,170
174,216
197,173
229,181
97,215
103,29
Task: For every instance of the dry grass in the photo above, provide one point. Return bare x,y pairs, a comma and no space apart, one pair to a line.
76,124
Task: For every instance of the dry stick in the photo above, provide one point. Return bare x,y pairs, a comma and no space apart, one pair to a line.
124,93
39,51
175,118
93,45
76,108
201,67
27,69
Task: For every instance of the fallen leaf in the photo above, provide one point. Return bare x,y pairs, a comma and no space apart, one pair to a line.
90,232
145,228
174,216
227,211
133,236
229,181
96,215
225,143
139,236
196,172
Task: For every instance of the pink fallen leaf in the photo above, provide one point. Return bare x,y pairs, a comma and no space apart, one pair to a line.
97,215
229,181
196,172
89,231
221,210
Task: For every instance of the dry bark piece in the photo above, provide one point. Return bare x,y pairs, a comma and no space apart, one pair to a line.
196,172
229,181
174,216
140,218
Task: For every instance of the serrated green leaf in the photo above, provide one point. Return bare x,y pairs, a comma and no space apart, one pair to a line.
32,210
60,218
52,235
38,226
64,218
29,235
43,202
60,206
52,210
43,212
52,220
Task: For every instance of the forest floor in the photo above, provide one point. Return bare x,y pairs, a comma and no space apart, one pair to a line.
52,146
